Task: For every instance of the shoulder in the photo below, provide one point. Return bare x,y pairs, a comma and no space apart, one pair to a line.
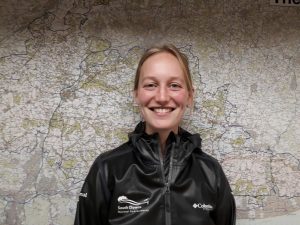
118,153
110,164
211,169
115,158
207,159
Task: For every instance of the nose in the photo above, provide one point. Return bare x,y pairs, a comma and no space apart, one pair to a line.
162,95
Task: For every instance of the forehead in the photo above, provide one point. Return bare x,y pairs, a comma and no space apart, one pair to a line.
160,64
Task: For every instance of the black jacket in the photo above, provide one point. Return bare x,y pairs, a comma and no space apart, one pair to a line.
134,185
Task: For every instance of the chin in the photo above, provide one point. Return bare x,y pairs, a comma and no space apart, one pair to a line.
161,127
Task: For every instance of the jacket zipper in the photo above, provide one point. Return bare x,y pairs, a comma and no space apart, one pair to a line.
166,182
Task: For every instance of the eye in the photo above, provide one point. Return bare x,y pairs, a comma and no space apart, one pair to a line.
175,86
150,86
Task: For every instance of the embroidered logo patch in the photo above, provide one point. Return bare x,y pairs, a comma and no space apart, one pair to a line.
126,205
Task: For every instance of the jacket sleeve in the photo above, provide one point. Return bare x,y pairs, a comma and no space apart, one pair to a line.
93,203
225,213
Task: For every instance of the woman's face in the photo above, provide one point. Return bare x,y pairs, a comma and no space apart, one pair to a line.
162,93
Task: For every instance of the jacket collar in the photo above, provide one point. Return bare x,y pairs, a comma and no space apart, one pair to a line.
182,144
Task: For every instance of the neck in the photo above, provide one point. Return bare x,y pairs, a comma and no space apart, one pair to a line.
162,141
163,136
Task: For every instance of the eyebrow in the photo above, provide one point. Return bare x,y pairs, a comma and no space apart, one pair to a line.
155,78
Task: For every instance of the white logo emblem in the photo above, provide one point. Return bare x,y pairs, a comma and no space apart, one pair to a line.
83,195
131,206
124,199
205,207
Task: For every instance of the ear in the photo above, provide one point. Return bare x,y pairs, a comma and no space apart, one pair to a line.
135,98
191,97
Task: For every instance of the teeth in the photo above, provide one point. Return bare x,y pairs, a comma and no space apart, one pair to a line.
162,110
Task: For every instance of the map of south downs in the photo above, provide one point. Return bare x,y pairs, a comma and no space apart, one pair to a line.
66,79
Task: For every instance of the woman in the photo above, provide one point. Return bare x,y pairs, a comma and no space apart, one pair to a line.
160,176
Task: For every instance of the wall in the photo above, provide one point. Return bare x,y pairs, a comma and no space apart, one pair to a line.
66,71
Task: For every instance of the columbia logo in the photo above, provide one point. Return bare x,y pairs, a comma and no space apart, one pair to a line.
203,206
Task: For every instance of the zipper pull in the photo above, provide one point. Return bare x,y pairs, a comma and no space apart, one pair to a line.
167,187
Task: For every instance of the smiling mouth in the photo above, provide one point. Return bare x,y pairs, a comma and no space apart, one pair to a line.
162,110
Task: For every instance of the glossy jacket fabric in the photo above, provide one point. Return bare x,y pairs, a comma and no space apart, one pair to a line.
134,185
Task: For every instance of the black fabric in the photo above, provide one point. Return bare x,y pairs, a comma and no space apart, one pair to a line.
135,185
